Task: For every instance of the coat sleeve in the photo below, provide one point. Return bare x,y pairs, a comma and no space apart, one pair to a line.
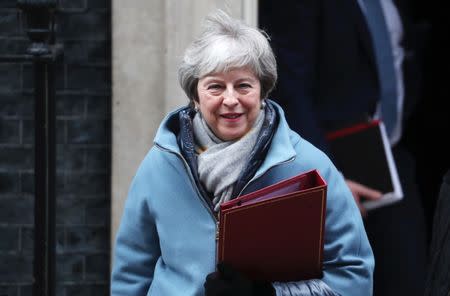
312,287
348,258
136,246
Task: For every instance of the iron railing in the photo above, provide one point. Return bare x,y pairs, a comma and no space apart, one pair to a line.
43,52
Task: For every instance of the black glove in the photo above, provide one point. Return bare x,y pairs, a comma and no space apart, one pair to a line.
228,282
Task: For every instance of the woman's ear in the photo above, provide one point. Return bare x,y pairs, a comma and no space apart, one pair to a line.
263,103
194,105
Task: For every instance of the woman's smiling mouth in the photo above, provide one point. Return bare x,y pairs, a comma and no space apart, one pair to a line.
231,116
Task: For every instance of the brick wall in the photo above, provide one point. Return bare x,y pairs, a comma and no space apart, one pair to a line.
83,96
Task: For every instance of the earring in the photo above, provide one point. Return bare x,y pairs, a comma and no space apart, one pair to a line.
263,104
196,108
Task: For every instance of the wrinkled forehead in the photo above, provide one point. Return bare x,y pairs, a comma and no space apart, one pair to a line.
231,74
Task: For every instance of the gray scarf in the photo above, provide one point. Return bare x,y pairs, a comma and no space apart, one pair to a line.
221,162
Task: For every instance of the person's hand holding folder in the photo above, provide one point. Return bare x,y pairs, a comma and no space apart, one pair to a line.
363,154
361,192
227,281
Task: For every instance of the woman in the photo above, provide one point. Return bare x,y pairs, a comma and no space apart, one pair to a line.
231,140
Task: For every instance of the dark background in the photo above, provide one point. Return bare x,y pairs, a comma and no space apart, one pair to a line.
428,129
83,96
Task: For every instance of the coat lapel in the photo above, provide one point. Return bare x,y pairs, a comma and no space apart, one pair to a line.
364,34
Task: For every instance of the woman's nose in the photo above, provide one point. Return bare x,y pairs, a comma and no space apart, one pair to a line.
230,97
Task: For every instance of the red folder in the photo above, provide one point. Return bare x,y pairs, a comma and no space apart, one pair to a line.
276,233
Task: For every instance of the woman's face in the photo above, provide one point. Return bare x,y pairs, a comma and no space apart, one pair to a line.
229,102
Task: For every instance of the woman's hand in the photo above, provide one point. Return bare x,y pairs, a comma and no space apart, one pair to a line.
228,282
361,192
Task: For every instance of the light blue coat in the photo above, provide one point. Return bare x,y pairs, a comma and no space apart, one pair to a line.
166,245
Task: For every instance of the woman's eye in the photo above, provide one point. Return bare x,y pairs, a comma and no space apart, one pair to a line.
244,85
214,86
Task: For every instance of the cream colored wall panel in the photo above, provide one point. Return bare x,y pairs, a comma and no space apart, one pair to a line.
138,99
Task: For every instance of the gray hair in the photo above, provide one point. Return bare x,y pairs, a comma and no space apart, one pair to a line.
226,43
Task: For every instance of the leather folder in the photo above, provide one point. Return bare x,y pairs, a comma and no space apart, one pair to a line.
363,153
277,232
